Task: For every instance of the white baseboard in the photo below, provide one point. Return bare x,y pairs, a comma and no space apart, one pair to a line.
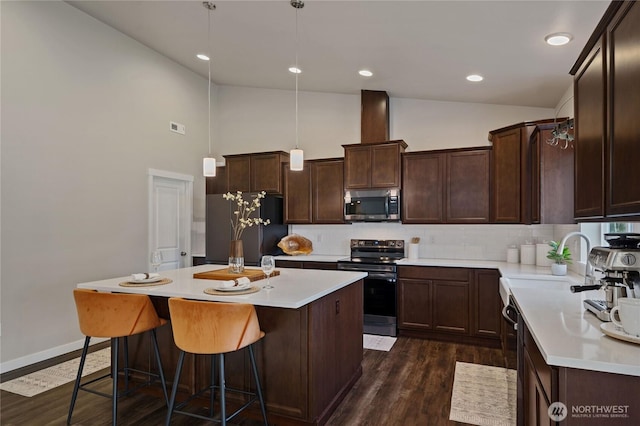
44,355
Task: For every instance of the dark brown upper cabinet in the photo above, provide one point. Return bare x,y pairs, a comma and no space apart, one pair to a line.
589,128
374,121
447,186
519,166
256,172
552,177
316,193
606,104
373,165
218,183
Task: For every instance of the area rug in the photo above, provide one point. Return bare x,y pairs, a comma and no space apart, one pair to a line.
378,343
49,378
483,395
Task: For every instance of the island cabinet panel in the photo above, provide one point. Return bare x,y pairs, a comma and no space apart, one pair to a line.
623,37
590,111
297,198
308,360
371,166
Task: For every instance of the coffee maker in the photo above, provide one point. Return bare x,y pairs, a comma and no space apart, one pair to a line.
620,265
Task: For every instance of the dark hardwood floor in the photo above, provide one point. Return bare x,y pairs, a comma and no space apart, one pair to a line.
410,385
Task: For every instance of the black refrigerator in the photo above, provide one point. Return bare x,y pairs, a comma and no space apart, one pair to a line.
256,240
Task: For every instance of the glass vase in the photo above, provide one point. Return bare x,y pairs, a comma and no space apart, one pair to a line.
236,257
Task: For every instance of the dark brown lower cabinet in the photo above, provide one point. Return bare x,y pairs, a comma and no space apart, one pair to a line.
456,304
303,264
308,360
589,397
486,307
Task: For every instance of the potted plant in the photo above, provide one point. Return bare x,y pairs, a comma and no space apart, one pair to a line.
560,260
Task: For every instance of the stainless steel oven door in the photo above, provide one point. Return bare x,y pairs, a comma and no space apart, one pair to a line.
380,308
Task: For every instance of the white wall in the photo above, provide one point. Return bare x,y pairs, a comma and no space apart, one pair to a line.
263,120
85,114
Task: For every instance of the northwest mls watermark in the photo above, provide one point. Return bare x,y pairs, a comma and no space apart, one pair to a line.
559,411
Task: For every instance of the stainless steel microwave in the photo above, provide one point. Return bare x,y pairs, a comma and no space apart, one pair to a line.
372,205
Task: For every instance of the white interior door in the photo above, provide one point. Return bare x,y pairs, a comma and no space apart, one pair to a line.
170,211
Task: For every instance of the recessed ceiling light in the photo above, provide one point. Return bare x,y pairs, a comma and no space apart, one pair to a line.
365,73
295,70
202,57
475,77
558,39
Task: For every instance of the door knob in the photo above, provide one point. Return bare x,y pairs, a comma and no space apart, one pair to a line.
183,253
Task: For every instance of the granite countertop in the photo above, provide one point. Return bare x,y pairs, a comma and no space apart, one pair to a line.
293,288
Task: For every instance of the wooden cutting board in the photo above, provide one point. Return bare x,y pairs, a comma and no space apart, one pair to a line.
224,274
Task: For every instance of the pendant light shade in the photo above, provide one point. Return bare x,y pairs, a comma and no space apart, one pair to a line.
296,159
209,167
296,156
209,163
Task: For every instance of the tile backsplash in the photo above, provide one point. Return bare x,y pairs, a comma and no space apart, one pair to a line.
473,242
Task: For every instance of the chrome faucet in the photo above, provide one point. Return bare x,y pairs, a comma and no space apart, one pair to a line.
589,278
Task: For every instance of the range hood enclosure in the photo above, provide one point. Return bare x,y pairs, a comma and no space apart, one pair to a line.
374,120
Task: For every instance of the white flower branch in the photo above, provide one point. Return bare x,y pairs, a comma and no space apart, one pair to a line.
242,215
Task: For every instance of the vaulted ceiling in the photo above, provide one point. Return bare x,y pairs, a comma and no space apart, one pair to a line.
415,49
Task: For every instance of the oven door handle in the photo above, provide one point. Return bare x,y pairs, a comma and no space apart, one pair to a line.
382,276
505,313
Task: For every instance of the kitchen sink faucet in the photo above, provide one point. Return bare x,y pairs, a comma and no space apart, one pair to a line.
589,278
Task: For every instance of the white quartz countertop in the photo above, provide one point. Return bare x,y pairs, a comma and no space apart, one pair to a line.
293,288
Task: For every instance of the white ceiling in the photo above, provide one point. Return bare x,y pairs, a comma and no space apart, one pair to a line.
416,49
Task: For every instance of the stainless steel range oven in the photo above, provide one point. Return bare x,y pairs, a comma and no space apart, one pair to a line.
378,258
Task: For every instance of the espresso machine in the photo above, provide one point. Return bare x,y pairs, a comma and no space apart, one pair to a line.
620,265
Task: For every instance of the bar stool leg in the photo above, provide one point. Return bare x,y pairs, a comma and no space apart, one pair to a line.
174,390
85,349
223,405
114,373
154,337
126,363
258,387
212,396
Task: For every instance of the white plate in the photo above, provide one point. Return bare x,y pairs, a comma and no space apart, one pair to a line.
610,329
238,287
147,280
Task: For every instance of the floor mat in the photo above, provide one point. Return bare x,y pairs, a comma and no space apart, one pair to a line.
49,378
483,395
378,343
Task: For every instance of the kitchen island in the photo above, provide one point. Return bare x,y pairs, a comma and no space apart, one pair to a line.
309,358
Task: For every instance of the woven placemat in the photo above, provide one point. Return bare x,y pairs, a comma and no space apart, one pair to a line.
213,291
132,284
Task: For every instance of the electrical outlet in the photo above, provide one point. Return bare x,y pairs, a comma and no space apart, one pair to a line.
177,127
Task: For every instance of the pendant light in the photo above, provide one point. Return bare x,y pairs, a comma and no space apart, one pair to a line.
296,156
209,163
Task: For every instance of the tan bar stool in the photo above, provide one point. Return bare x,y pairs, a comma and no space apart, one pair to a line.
214,328
115,315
